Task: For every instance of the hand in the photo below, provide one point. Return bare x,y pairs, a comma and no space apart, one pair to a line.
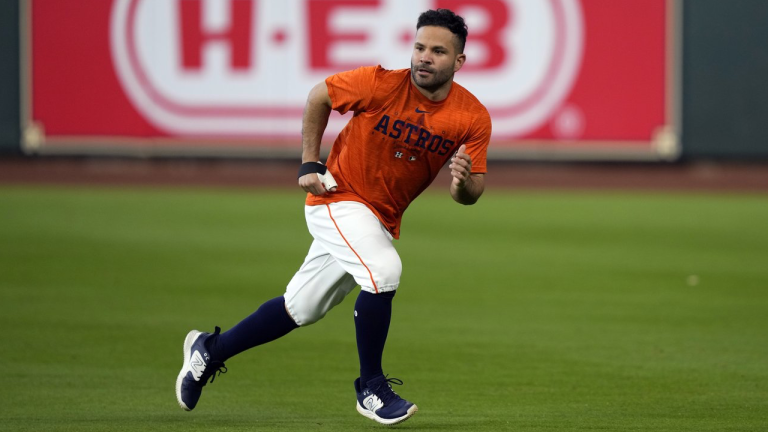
311,183
461,167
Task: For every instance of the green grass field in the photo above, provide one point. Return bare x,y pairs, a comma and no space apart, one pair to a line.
545,311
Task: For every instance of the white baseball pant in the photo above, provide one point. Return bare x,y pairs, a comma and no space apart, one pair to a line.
351,247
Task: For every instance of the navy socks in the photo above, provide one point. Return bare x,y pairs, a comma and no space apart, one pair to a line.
271,321
372,315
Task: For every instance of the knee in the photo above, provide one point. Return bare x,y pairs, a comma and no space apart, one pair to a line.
388,276
303,313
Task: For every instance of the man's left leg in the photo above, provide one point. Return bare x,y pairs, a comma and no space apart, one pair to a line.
373,312
375,398
363,247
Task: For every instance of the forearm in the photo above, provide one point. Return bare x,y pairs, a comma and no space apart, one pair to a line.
314,122
470,191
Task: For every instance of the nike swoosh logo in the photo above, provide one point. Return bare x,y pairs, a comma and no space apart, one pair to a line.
422,112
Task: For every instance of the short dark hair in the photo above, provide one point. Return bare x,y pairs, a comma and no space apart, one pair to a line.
445,18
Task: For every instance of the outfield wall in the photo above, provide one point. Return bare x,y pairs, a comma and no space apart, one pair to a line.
725,94
563,79
10,120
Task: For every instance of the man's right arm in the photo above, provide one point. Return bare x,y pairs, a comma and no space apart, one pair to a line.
314,122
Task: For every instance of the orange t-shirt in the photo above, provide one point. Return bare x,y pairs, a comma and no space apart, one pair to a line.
397,140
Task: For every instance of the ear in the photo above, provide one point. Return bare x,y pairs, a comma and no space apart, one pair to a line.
460,59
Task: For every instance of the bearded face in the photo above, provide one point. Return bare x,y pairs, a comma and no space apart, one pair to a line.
430,77
434,60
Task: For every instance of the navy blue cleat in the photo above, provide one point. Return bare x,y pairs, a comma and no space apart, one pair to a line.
197,368
379,402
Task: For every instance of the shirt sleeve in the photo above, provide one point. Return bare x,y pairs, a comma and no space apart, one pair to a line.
477,142
352,90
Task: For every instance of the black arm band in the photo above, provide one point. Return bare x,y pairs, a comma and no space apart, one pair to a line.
311,167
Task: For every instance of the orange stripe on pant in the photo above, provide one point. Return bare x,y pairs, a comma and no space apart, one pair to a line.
375,288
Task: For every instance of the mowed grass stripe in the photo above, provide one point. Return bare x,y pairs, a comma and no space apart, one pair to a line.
546,311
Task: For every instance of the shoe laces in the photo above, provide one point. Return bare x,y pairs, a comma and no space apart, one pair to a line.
384,391
213,367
